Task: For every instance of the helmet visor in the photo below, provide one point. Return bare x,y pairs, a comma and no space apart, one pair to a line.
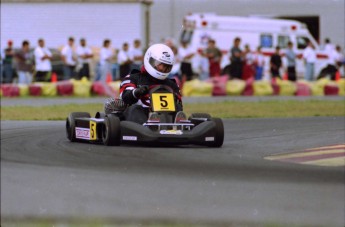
160,66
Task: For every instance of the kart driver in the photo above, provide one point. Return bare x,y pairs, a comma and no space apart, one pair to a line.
134,89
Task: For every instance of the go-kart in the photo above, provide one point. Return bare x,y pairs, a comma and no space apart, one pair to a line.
112,128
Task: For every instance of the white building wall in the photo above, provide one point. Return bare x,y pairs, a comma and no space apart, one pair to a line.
56,21
121,21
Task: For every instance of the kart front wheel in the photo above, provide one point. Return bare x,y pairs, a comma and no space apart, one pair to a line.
70,124
200,115
111,134
197,118
219,133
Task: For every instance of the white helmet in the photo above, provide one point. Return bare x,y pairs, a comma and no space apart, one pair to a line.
159,60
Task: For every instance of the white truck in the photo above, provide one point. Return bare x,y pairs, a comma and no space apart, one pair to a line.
267,33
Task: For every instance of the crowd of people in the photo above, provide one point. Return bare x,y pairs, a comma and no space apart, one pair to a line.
246,64
26,65
35,65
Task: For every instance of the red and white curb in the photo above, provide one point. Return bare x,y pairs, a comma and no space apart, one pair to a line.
321,156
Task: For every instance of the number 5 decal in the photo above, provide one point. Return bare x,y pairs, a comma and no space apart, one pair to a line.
93,134
164,102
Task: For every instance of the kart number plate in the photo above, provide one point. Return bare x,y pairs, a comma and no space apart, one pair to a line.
163,102
82,133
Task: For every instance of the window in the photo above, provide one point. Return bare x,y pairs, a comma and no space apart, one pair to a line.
302,42
266,40
283,41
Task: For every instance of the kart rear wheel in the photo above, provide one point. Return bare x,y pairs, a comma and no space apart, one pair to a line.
219,133
70,124
111,134
100,115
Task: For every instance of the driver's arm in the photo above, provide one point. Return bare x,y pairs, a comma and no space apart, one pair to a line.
130,92
128,85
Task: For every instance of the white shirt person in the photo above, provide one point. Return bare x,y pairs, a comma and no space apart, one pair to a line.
42,62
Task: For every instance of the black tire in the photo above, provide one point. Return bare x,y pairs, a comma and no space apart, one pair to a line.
111,134
197,118
200,115
219,133
70,124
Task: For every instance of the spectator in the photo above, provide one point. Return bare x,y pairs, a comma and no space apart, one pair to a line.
340,61
276,63
259,63
248,66
340,56
69,59
328,47
1,67
24,66
124,59
203,65
309,56
291,62
105,59
42,60
136,55
186,54
116,66
334,62
175,71
169,42
214,56
236,59
204,68
84,57
7,64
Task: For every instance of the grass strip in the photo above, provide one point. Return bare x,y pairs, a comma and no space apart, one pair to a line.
227,109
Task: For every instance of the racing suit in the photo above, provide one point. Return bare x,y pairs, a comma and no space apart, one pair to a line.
139,106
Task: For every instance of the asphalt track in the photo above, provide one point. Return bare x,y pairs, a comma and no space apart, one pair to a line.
43,175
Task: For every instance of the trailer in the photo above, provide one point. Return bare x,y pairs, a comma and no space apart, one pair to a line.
265,32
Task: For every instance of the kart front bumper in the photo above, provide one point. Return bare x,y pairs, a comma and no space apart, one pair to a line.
202,134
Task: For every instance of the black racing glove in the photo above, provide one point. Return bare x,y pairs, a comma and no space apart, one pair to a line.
141,91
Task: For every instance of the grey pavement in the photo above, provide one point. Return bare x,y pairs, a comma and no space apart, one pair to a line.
43,175
44,101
